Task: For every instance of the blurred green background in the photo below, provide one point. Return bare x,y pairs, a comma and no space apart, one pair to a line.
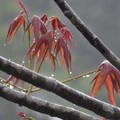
101,16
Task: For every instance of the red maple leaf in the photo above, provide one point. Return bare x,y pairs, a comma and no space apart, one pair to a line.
66,35
36,26
56,23
12,78
109,76
48,43
14,26
42,47
44,18
63,47
22,6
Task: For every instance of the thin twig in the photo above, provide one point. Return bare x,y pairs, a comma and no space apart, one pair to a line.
70,79
43,106
79,76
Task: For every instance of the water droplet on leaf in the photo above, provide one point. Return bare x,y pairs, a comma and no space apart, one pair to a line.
55,40
54,37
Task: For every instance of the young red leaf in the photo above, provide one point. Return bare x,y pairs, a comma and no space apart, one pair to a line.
97,85
12,78
62,47
44,45
56,23
22,5
110,77
110,88
44,18
48,43
36,26
66,34
14,26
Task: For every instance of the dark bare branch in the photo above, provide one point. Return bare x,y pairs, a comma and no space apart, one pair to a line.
60,89
43,106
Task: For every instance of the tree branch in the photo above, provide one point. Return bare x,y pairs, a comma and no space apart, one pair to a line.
60,89
87,33
43,106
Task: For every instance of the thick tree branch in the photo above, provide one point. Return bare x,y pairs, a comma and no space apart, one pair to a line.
87,33
43,106
60,89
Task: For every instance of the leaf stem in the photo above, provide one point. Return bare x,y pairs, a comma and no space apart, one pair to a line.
29,61
79,76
